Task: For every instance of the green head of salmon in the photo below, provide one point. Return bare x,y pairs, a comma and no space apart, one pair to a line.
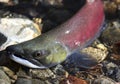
38,53
56,45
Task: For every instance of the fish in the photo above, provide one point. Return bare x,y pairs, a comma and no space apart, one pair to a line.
56,45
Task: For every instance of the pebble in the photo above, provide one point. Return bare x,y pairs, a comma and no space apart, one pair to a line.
4,79
42,74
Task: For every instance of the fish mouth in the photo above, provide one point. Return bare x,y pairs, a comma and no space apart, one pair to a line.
29,63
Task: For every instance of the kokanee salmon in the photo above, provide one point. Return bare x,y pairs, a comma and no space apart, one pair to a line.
56,45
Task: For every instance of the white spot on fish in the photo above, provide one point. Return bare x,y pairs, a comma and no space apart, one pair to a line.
67,32
77,43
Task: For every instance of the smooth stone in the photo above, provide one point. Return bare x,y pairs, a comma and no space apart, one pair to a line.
17,30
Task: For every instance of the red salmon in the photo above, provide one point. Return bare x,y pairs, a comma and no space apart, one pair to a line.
56,45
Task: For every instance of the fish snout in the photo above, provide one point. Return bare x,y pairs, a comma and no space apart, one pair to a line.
13,49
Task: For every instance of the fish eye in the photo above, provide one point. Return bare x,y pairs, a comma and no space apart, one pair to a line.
41,54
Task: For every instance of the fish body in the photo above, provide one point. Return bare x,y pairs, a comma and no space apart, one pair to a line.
55,46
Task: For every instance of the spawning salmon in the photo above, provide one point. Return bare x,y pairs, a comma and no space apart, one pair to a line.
55,46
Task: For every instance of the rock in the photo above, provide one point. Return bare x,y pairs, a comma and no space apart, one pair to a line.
4,1
37,76
42,74
4,79
98,54
111,70
24,72
10,73
103,80
111,34
110,7
23,81
102,47
60,71
24,77
73,80
17,30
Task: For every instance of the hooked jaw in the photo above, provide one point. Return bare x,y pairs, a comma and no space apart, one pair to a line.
19,58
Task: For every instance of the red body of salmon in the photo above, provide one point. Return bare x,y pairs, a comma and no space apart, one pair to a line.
84,26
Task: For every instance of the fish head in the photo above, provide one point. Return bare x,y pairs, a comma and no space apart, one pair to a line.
38,53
